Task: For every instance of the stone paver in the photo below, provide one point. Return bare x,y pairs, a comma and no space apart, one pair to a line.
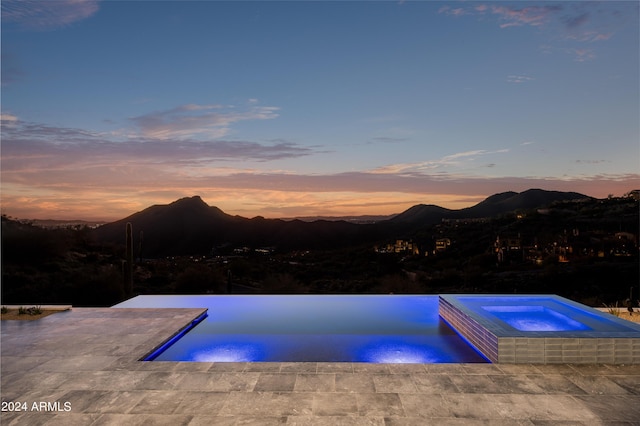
80,367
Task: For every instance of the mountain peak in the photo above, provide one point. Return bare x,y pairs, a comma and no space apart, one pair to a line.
195,200
496,198
194,203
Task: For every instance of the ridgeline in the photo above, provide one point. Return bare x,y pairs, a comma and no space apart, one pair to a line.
531,242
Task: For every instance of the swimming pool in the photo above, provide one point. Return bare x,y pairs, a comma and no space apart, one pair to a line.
316,328
541,329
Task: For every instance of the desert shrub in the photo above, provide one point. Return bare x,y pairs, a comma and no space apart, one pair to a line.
34,310
613,309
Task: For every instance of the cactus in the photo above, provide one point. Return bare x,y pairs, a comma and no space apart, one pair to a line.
140,246
128,263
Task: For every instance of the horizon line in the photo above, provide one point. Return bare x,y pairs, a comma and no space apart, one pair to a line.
284,217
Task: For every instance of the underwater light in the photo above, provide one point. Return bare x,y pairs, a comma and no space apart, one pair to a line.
229,353
399,353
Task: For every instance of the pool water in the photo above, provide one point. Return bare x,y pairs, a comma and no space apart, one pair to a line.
535,318
300,328
542,313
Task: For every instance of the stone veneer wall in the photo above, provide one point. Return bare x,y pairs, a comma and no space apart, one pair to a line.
590,349
562,350
479,336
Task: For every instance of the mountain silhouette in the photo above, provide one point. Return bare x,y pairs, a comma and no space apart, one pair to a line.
510,201
422,213
494,205
190,226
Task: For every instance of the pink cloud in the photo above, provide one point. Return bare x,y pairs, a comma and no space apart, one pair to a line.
47,15
72,194
582,55
580,22
72,173
600,37
532,15
191,120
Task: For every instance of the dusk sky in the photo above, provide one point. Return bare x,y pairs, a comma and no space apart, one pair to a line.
305,108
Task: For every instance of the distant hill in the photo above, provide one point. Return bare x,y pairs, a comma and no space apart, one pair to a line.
190,226
351,219
422,213
53,223
492,206
510,201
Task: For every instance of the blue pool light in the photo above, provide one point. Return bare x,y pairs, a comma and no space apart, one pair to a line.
228,352
399,351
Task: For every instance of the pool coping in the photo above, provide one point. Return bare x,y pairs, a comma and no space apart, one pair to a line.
501,343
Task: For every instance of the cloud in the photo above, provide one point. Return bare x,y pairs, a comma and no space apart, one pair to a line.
451,160
147,176
519,78
591,22
464,154
192,120
582,55
458,11
578,54
387,139
418,183
563,23
33,149
600,36
589,36
121,190
530,15
585,21
576,21
65,172
16,130
46,15
8,119
591,161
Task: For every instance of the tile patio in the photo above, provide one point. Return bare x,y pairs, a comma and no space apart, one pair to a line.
87,358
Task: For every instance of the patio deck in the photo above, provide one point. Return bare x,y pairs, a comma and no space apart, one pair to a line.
87,358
